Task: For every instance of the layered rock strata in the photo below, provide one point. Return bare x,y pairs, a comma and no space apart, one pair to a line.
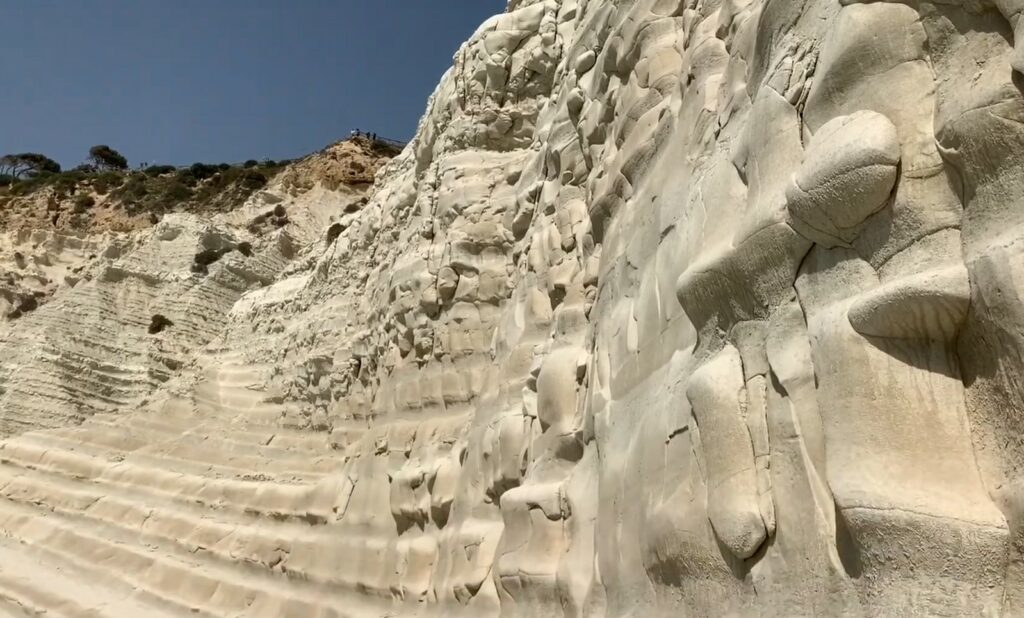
670,308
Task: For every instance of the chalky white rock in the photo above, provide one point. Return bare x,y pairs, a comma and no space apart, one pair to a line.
670,308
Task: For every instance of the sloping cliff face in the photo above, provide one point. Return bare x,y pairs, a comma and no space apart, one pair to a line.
671,307
100,346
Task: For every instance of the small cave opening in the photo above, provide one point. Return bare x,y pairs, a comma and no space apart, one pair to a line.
158,324
202,260
245,248
333,232
25,305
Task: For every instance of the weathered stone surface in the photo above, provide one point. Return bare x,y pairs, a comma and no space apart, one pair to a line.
670,308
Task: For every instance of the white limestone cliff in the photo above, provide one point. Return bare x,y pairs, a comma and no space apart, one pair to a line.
671,307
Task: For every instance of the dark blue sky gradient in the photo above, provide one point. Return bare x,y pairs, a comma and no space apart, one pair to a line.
179,81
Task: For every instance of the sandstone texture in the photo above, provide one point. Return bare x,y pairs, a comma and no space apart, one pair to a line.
670,308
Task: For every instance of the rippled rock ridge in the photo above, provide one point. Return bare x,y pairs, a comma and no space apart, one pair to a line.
671,307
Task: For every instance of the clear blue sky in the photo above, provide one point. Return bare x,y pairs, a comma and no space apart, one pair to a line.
179,81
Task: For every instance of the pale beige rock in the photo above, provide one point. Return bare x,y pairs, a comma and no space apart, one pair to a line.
848,174
715,392
670,308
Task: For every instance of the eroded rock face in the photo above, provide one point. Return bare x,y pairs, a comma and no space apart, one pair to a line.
670,308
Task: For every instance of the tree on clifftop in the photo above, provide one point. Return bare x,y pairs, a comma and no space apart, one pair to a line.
27,164
105,157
